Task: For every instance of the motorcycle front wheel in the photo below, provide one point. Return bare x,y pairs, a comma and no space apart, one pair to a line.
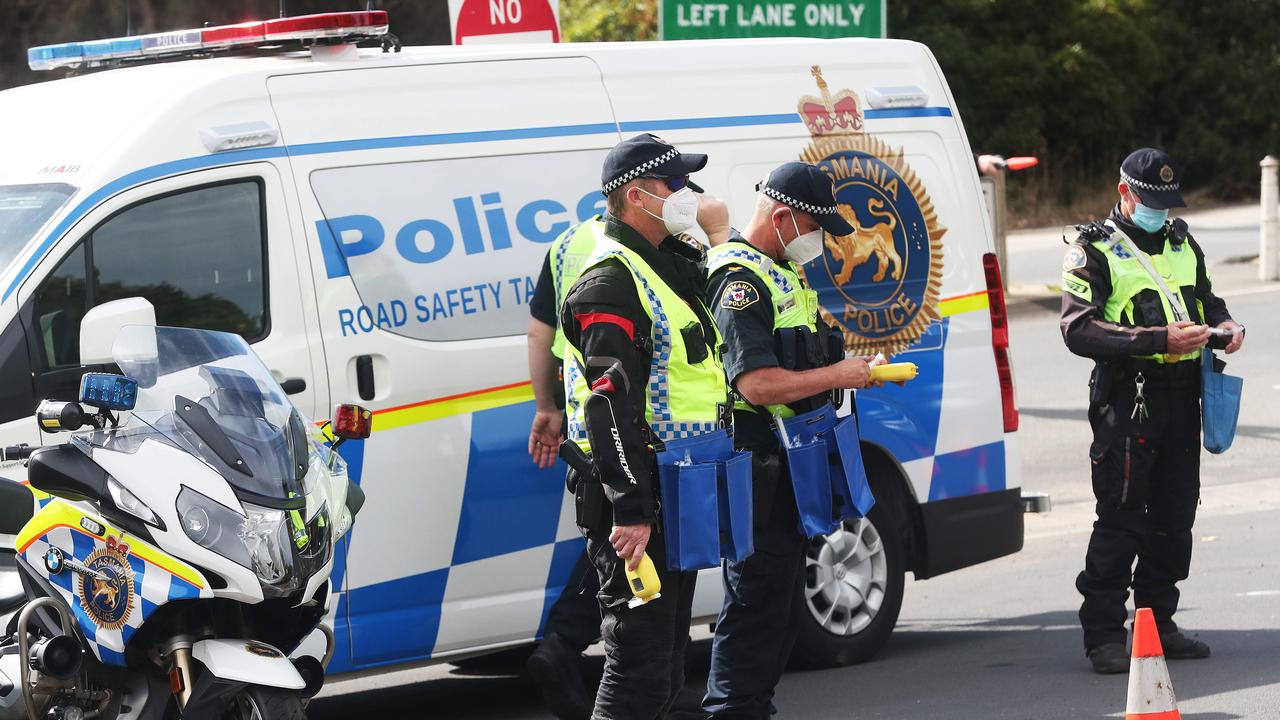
256,702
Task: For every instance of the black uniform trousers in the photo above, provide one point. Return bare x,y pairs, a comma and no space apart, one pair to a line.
758,623
1146,478
644,646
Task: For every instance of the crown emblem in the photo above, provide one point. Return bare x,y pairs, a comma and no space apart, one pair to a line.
830,114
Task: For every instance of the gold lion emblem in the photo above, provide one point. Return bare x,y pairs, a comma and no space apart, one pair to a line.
866,242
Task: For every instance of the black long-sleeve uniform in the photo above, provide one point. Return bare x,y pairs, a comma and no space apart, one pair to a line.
1082,323
1145,466
604,317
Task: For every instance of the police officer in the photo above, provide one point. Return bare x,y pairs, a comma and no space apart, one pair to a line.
777,357
573,622
1144,401
641,344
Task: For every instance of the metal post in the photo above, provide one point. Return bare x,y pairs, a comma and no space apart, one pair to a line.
993,191
1269,241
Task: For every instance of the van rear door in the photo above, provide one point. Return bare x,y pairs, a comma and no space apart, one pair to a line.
430,195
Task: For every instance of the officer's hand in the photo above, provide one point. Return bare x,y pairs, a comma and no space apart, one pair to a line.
1237,335
1185,337
544,437
713,218
852,372
629,541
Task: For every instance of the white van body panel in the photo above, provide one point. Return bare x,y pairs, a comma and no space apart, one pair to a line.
435,178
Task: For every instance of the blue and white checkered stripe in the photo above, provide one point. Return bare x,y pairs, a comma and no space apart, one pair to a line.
572,374
726,257
152,587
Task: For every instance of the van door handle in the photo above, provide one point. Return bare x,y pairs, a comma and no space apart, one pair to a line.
364,377
293,386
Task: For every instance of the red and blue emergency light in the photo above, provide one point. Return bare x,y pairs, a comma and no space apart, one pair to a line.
329,27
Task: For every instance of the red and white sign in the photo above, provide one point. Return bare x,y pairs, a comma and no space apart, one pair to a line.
504,21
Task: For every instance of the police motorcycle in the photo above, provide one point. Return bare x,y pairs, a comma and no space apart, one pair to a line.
185,546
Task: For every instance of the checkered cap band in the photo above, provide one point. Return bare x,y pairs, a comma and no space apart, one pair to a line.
639,170
1146,185
798,204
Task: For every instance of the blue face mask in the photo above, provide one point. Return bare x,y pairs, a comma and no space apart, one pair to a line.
1148,219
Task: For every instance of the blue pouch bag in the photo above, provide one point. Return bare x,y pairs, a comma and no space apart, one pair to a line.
737,541
1219,404
827,475
702,502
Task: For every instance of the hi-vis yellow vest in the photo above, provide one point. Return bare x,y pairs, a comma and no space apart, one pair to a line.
568,253
684,399
1176,265
794,305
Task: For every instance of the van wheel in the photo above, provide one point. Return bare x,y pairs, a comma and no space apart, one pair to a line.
852,591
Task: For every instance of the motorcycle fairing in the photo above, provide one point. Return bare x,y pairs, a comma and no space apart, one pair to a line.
112,581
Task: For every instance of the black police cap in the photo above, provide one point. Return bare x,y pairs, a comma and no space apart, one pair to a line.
1155,177
647,154
804,187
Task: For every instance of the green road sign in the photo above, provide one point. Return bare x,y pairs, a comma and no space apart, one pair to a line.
693,20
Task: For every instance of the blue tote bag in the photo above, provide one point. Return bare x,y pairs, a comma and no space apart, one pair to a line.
824,457
1219,404
706,501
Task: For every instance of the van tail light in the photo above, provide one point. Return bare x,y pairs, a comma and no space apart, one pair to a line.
1000,340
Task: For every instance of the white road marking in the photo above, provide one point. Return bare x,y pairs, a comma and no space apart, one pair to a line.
1258,593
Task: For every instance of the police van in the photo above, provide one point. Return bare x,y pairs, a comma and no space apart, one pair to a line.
373,220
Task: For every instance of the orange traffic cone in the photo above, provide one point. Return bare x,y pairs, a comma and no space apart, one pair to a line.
1150,691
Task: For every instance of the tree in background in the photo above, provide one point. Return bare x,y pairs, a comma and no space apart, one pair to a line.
593,20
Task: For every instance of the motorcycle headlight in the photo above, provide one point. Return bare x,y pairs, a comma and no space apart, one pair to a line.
130,503
258,539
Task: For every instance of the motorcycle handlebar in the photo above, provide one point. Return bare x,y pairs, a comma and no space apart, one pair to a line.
17,452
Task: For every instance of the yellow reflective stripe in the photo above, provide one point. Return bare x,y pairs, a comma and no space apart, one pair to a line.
961,304
461,404
59,514
39,494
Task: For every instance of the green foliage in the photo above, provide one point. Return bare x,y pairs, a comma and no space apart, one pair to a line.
593,20
1080,83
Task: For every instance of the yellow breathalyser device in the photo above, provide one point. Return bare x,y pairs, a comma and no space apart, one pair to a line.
644,582
894,372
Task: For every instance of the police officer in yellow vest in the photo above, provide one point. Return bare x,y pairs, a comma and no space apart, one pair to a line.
573,622
1143,403
778,357
642,366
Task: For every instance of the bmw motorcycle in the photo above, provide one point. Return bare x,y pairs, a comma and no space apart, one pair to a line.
184,541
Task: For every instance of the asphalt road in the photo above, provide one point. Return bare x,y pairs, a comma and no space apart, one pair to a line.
1000,640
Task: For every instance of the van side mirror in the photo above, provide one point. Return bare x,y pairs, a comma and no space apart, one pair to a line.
101,324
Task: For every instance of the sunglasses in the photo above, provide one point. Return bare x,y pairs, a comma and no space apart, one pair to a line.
673,182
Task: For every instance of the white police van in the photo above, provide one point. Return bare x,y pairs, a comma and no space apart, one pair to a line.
373,224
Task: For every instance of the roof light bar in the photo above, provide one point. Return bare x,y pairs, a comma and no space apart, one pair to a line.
327,26
221,36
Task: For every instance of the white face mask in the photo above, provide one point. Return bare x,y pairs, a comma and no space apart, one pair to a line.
679,210
805,248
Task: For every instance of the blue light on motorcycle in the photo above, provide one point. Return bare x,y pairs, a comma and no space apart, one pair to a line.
108,391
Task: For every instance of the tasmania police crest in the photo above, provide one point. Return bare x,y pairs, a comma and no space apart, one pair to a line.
106,589
879,285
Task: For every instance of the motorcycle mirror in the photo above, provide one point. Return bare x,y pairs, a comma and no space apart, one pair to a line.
352,422
108,391
54,416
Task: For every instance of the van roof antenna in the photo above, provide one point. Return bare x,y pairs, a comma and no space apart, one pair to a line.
283,13
128,20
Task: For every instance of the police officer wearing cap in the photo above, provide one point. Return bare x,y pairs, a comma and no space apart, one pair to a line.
780,359
573,622
1143,403
640,344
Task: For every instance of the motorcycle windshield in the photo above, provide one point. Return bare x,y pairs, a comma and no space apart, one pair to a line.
209,394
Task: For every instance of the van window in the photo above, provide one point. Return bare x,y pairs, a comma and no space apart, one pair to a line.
24,209
198,256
